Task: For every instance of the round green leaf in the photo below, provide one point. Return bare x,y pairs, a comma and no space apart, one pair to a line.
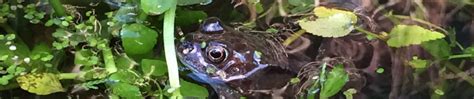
155,7
126,91
154,67
405,35
138,39
41,84
192,90
337,25
124,76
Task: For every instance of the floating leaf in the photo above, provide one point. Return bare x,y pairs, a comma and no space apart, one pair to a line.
138,39
335,80
405,35
337,25
192,90
41,84
155,7
154,67
126,91
323,12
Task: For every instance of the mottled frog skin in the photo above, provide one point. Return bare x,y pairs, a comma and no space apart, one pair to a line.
234,63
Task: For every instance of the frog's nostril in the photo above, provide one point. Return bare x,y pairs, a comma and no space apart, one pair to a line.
187,50
186,47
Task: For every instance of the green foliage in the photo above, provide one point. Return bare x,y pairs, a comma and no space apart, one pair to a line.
153,67
439,49
192,90
125,76
323,12
33,15
331,23
334,81
85,57
380,70
124,62
301,6
188,17
40,83
349,93
127,91
4,12
418,63
405,35
155,7
138,39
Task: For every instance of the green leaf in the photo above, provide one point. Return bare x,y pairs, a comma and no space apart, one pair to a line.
125,76
138,39
300,2
40,84
192,90
337,25
323,12
469,50
405,35
85,57
188,17
125,62
154,67
155,7
126,91
192,2
335,80
418,63
4,80
439,49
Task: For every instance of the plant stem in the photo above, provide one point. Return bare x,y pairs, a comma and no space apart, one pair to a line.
68,75
460,56
170,53
370,33
142,15
293,37
109,60
58,7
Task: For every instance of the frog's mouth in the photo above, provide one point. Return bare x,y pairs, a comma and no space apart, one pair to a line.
191,55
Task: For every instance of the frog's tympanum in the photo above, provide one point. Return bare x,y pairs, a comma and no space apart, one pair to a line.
235,63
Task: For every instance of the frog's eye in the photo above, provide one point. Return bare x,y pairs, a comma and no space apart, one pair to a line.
216,54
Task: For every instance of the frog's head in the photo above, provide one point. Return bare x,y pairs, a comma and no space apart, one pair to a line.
220,53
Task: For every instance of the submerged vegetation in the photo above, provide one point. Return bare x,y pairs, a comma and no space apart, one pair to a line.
126,48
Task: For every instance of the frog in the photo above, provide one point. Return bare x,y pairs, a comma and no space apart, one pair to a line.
236,63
